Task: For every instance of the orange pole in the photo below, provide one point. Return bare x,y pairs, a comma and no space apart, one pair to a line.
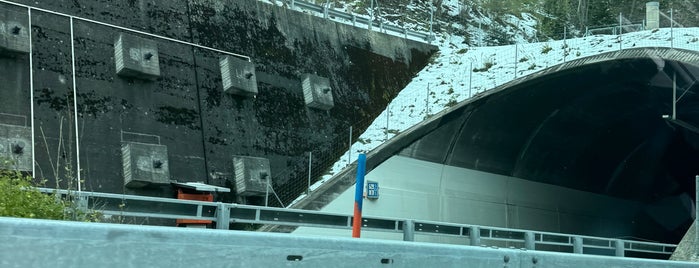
358,197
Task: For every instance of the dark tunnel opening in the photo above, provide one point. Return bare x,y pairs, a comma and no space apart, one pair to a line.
605,128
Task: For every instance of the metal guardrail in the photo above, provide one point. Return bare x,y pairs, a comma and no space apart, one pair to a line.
47,243
329,13
168,208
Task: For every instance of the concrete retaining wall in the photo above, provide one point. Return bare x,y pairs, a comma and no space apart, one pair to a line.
185,109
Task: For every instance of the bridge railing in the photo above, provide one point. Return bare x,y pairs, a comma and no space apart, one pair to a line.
226,213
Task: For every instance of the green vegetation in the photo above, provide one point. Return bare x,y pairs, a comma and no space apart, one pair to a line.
19,198
500,7
393,131
451,103
546,49
486,66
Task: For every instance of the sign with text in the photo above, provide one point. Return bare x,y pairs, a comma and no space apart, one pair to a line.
372,190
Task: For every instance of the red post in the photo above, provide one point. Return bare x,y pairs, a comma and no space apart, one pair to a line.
359,196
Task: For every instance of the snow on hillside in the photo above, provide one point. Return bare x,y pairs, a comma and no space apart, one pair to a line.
460,72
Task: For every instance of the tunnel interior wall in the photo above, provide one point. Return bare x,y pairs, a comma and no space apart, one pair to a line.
185,109
417,189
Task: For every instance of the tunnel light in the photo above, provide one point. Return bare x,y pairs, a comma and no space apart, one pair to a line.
666,116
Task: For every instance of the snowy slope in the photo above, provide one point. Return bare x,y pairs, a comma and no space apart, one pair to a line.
458,73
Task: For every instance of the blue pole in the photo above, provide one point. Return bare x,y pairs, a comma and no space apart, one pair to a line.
359,196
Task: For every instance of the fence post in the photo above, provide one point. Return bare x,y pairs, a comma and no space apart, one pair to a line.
408,230
223,216
349,149
470,80
427,101
621,30
388,118
266,193
672,29
310,159
565,44
619,248
75,104
475,235
577,245
429,38
371,16
516,57
529,242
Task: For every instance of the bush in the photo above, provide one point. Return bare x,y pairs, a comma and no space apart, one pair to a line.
451,103
546,49
18,198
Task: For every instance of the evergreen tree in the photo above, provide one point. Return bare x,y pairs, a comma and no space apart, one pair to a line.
601,12
555,18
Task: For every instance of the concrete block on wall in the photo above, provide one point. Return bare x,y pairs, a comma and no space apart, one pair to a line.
238,76
317,92
14,32
15,148
251,175
136,57
144,164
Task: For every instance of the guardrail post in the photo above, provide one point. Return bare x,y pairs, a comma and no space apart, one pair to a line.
408,230
696,218
354,20
577,245
475,235
223,216
529,242
293,3
619,248
81,202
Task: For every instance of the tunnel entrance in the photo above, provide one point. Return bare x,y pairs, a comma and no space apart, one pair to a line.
608,127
